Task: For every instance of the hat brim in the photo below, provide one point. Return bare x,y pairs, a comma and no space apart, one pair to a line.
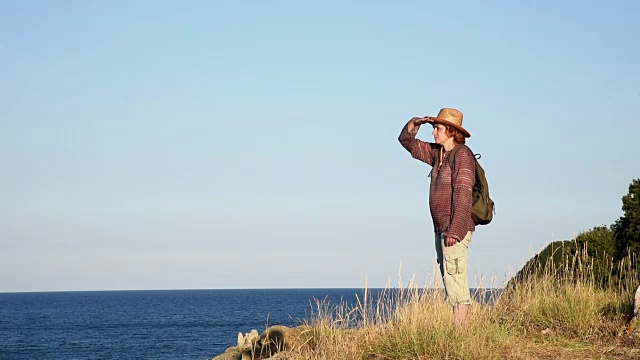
447,123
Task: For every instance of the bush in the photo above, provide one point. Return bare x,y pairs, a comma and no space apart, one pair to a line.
627,227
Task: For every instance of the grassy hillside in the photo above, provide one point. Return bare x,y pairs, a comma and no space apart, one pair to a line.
557,314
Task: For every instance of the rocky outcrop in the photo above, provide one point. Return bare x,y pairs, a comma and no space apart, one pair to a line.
634,325
636,308
276,343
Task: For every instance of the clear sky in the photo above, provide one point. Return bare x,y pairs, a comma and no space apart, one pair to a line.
253,144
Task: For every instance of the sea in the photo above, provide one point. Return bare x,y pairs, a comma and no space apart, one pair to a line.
151,324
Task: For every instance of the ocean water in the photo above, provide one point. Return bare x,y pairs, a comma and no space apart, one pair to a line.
158,324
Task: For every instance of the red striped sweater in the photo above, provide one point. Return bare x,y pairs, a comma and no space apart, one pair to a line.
450,192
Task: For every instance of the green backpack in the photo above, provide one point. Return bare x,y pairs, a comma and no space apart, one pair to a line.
483,207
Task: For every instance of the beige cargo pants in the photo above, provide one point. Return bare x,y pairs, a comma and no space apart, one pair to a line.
454,268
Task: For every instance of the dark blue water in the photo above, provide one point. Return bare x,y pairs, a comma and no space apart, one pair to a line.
172,324
176,324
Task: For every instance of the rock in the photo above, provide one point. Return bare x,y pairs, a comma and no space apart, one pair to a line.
633,327
277,343
279,338
232,353
248,340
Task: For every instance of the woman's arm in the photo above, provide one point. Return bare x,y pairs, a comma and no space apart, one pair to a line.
421,150
463,178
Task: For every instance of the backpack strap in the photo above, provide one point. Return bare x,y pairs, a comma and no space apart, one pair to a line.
452,156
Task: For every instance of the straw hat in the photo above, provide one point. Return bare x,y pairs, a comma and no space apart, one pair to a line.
450,117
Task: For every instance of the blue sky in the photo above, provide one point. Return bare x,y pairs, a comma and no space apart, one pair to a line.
250,144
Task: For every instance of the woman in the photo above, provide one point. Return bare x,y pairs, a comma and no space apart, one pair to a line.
450,199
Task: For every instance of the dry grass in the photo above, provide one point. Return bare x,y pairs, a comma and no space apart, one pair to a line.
552,316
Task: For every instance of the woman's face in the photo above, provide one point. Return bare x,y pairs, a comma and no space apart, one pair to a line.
440,134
